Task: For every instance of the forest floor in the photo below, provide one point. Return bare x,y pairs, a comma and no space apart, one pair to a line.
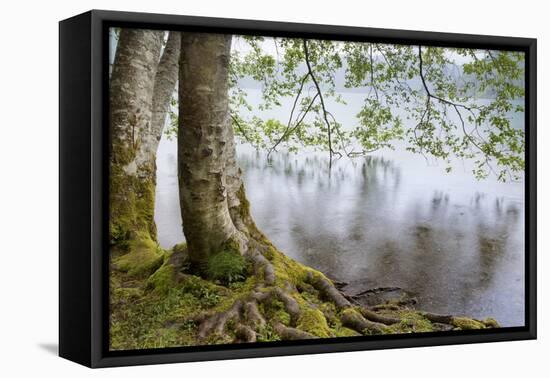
155,303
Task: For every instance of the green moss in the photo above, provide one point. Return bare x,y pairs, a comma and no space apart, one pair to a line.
231,245
147,323
143,259
239,291
244,208
352,313
162,316
313,321
467,323
180,248
411,321
163,279
330,313
131,200
282,316
140,318
127,294
145,206
311,295
152,306
275,310
333,320
207,294
491,323
345,332
244,213
226,267
119,236
286,269
267,333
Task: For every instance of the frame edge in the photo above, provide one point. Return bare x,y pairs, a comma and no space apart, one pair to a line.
74,194
97,356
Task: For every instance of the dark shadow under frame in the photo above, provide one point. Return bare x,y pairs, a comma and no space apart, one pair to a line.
84,189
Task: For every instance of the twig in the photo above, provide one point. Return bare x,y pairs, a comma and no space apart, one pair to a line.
239,126
372,73
445,101
310,70
285,133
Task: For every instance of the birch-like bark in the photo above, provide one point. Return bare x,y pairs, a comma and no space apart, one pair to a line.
235,188
165,84
132,176
205,144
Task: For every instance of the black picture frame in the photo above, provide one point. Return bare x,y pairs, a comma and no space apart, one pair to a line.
83,195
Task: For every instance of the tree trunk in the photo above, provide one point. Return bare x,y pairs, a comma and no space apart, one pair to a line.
213,203
205,145
141,88
215,211
165,84
132,184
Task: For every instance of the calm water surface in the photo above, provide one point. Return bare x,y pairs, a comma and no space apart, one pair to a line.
389,219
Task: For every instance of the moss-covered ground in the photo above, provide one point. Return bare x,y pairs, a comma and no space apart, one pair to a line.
156,303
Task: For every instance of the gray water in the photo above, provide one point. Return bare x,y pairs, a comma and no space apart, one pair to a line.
388,219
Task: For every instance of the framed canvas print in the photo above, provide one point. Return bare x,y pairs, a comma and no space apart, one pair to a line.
233,188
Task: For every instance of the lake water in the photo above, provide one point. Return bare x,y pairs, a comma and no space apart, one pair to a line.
388,219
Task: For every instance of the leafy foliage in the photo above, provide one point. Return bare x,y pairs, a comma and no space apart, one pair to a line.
460,101
226,267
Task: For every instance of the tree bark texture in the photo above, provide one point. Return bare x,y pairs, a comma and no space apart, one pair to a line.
139,99
165,84
206,155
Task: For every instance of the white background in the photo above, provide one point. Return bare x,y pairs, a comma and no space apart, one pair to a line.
29,186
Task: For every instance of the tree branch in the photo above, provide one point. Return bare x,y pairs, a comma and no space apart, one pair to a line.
429,93
445,101
325,113
372,73
285,133
241,129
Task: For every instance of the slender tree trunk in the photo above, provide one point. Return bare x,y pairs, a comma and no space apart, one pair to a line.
132,171
205,145
140,91
165,84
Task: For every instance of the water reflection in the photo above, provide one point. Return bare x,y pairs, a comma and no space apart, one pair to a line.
382,221
454,242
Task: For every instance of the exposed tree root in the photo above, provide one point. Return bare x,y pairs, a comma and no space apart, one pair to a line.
217,323
280,300
284,300
328,290
245,334
437,318
252,315
248,316
262,267
461,322
289,333
354,320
